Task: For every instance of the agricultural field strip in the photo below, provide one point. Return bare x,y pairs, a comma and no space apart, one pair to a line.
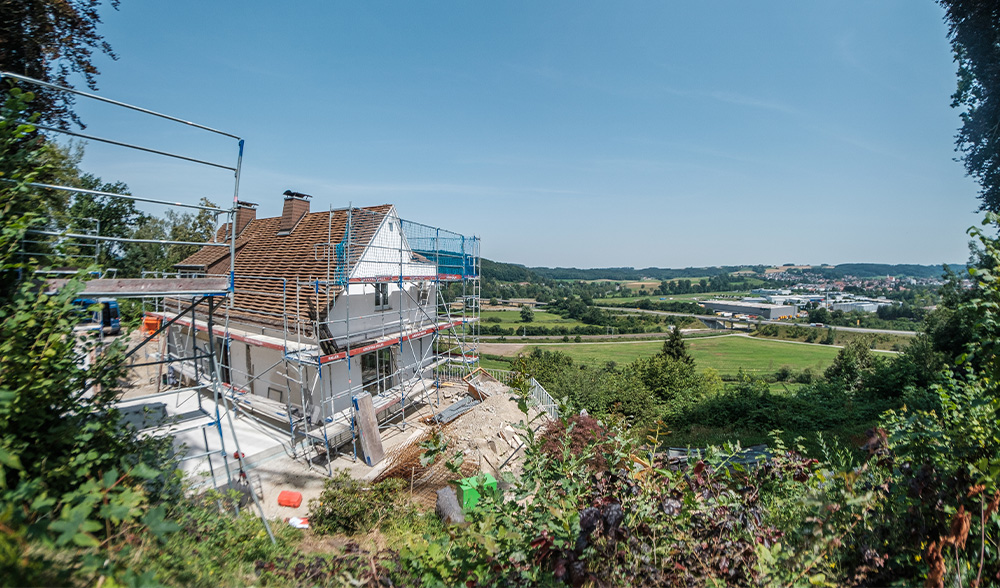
725,353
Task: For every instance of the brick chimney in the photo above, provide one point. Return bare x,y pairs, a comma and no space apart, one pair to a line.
296,206
245,212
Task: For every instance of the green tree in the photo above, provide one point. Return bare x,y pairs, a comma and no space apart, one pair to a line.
974,32
674,348
527,315
115,217
52,41
666,377
854,364
819,315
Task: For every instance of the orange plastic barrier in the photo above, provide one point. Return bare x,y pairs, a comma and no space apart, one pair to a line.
289,498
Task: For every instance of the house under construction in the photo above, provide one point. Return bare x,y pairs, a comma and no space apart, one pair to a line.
329,308
271,337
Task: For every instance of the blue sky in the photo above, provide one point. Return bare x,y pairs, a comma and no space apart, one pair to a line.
574,133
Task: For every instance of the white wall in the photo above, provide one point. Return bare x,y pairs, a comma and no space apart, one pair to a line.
368,323
389,255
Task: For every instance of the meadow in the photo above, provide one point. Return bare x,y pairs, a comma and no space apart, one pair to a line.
726,354
512,318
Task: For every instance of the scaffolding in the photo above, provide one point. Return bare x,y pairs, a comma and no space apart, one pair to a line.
65,246
373,304
369,303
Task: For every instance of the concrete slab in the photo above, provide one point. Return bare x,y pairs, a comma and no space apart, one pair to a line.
203,437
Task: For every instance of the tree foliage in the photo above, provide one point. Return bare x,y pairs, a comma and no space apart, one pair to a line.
974,31
674,348
51,41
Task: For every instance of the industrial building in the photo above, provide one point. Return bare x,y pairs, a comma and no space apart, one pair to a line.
859,305
767,311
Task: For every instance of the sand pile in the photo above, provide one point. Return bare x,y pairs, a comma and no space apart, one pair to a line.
487,436
487,433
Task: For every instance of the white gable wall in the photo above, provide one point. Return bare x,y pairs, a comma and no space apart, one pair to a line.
389,255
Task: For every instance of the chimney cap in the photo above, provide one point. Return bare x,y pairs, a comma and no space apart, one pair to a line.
244,204
289,194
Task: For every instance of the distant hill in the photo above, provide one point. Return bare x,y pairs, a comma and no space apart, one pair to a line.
506,272
510,272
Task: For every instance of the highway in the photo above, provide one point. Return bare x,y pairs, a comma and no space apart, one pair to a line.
715,318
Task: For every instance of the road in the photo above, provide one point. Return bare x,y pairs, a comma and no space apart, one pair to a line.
759,321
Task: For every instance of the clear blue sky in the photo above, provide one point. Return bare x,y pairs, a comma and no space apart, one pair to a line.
572,133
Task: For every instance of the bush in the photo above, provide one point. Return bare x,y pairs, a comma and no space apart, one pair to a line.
351,507
578,434
783,374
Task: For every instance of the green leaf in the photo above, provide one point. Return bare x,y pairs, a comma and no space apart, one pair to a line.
145,472
10,460
110,477
86,540
157,523
73,521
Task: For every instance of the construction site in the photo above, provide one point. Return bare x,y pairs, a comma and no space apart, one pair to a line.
286,348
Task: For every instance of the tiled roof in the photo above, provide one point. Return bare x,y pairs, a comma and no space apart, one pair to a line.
264,259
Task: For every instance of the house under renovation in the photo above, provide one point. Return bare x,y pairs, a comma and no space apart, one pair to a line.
328,308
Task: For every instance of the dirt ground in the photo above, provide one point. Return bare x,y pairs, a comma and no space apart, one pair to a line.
485,434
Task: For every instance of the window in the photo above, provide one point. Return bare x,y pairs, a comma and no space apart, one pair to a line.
377,370
381,296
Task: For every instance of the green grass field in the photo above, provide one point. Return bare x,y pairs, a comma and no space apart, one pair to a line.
724,354
512,318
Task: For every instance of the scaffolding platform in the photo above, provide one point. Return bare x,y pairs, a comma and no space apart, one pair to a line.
148,287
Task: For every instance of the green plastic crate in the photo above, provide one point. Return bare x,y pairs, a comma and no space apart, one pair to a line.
468,490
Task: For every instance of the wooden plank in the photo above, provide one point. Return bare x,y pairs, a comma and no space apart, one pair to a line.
371,441
138,287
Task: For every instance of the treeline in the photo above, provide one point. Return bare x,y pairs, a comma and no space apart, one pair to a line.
629,273
506,272
902,317
880,270
510,272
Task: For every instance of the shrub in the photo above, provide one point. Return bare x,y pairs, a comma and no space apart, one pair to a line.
577,433
783,374
349,506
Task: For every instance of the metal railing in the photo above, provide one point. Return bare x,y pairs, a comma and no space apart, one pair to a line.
539,396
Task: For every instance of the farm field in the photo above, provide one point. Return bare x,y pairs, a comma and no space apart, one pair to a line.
726,354
512,318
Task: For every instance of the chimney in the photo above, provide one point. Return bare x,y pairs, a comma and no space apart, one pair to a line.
245,212
296,206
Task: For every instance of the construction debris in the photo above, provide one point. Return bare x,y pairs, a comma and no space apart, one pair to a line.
483,439
454,411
